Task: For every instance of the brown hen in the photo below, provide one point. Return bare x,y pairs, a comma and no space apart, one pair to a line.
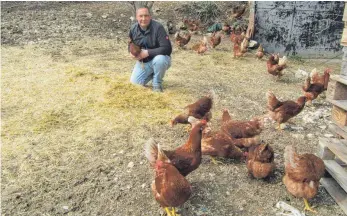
215,39
260,161
200,110
302,174
185,158
241,129
275,67
181,41
281,112
316,85
260,52
200,47
170,188
134,49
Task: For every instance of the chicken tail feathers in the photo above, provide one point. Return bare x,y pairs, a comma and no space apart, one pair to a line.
151,151
307,83
272,101
326,77
161,155
289,156
213,96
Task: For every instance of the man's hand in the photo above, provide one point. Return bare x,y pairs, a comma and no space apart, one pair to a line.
143,54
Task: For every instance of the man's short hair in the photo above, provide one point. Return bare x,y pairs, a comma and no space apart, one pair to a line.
144,6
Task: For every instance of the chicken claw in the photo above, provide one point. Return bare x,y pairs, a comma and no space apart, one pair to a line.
307,206
215,161
168,212
174,212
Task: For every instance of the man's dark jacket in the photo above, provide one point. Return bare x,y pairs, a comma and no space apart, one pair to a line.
154,39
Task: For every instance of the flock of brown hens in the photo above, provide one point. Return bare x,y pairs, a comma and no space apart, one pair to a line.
235,139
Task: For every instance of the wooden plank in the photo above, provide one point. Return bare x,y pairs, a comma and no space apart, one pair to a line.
324,152
337,146
336,171
331,89
339,116
340,162
340,130
341,79
337,88
340,103
344,37
336,192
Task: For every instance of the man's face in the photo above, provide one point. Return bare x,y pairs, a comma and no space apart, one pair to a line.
143,17
225,28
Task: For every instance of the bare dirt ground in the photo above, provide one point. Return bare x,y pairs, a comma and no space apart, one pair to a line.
73,128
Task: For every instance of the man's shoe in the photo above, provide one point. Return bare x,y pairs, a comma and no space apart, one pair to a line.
157,89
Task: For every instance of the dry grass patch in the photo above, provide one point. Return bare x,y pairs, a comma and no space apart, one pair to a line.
72,122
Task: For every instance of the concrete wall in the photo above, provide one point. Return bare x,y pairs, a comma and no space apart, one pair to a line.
306,29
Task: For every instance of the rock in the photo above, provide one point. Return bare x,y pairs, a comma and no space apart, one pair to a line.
300,74
328,135
310,136
312,118
323,127
228,193
131,164
89,15
143,185
298,136
297,128
104,16
212,174
66,207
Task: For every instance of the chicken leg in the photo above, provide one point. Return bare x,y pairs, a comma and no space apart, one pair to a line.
168,212
174,212
307,206
215,161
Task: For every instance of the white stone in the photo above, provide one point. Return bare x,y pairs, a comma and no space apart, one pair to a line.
131,164
89,15
297,128
298,136
310,136
323,127
328,135
301,74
